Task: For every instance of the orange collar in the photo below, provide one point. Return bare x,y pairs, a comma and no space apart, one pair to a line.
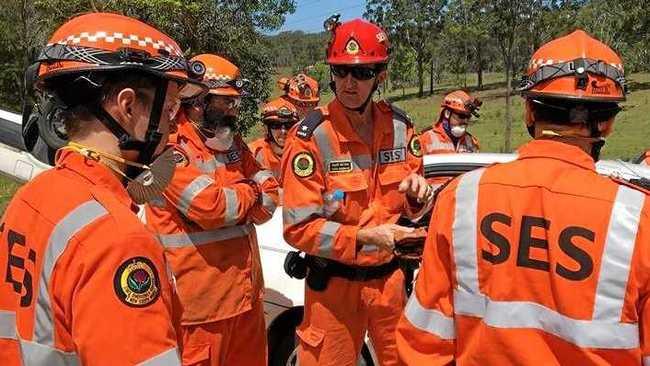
556,150
94,172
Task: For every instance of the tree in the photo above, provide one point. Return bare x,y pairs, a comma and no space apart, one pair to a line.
507,19
232,29
410,23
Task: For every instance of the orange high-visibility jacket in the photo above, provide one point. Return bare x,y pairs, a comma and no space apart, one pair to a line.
324,155
265,156
540,261
436,141
81,278
206,223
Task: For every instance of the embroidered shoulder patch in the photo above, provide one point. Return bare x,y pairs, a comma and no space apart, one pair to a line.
136,282
303,164
415,147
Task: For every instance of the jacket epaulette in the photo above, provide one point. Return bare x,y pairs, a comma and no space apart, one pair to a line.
309,124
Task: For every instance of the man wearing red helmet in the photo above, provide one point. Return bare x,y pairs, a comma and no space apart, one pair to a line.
206,224
449,133
353,166
540,261
83,280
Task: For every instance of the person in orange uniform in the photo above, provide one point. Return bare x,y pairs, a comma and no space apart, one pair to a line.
449,133
83,280
352,164
278,116
302,91
206,224
540,261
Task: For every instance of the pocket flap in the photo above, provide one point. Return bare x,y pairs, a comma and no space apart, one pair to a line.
311,335
393,173
347,182
193,355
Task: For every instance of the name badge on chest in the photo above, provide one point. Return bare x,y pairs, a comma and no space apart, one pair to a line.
392,155
340,166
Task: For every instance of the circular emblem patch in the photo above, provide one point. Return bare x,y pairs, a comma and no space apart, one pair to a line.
180,158
136,282
303,165
352,48
415,147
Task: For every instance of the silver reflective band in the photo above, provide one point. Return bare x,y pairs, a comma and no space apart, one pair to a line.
208,166
326,238
430,321
166,358
8,325
182,240
297,215
268,203
232,206
191,191
369,248
399,134
464,230
617,254
261,176
523,314
69,226
646,361
35,354
324,146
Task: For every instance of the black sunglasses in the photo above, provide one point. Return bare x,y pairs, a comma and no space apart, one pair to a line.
278,125
358,72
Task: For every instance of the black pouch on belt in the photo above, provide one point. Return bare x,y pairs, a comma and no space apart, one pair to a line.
318,276
295,265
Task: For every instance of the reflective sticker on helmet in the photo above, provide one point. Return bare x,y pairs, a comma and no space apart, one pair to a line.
303,165
381,37
352,48
136,282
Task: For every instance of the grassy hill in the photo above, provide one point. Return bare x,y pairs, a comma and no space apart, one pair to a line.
631,132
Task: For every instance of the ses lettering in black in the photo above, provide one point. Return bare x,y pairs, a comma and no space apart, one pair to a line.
566,241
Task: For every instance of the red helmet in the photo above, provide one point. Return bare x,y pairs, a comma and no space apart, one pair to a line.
357,42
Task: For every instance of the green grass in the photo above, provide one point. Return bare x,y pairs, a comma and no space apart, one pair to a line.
7,189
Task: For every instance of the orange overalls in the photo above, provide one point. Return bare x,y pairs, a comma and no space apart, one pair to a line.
81,278
540,261
322,157
436,141
265,156
206,226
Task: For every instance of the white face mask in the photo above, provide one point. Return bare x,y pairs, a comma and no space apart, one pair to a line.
222,140
458,131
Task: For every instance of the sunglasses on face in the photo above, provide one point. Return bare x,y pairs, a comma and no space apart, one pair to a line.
279,125
358,72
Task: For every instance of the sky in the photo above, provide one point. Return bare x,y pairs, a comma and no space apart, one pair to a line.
310,14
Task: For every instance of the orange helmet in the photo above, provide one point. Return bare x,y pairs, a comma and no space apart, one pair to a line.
279,110
111,42
357,42
462,103
221,76
576,66
301,89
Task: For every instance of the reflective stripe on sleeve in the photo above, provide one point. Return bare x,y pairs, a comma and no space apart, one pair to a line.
297,215
191,191
325,239
232,204
181,240
430,321
166,358
64,230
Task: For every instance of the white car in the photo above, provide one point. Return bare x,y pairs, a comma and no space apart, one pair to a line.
284,296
